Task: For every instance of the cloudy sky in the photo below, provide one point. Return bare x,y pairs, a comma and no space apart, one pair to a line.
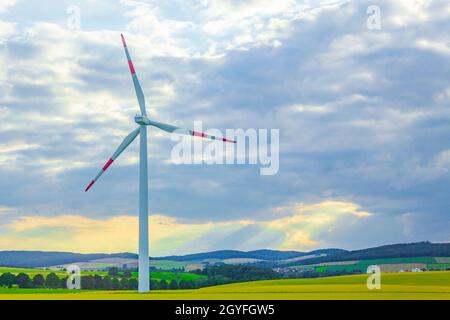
363,114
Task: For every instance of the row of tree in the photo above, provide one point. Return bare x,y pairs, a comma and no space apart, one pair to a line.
93,282
23,280
238,273
96,282
122,279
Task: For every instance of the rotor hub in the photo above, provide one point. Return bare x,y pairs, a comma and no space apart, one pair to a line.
141,120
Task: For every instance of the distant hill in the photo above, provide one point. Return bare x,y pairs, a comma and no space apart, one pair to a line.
269,258
35,259
405,250
270,255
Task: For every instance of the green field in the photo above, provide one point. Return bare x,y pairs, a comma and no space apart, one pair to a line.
155,275
439,265
362,265
32,272
167,264
169,276
426,285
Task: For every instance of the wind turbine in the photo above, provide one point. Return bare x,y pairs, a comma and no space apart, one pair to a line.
143,122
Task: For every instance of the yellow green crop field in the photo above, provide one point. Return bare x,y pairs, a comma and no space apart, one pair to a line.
398,286
155,275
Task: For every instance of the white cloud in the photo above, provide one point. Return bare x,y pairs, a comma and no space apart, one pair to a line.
304,222
215,27
442,161
7,29
6,4
6,210
11,152
410,11
437,46
297,230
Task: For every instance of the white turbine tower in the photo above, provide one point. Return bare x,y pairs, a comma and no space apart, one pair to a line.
143,122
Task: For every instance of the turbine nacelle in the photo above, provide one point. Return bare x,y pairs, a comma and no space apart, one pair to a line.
141,120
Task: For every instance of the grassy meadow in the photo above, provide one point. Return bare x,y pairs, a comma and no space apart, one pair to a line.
386,265
155,275
397,286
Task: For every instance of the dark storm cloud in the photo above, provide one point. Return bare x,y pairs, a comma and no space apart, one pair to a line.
363,117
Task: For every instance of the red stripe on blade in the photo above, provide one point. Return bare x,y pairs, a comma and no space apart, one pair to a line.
123,41
199,134
89,186
130,63
108,164
228,140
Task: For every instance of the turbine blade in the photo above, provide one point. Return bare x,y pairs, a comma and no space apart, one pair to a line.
125,143
170,128
137,85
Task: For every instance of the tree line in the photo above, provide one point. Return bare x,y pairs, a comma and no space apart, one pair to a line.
117,279
23,280
237,273
90,282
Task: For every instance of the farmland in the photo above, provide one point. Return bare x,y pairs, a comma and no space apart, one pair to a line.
105,263
169,276
386,265
426,285
155,275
